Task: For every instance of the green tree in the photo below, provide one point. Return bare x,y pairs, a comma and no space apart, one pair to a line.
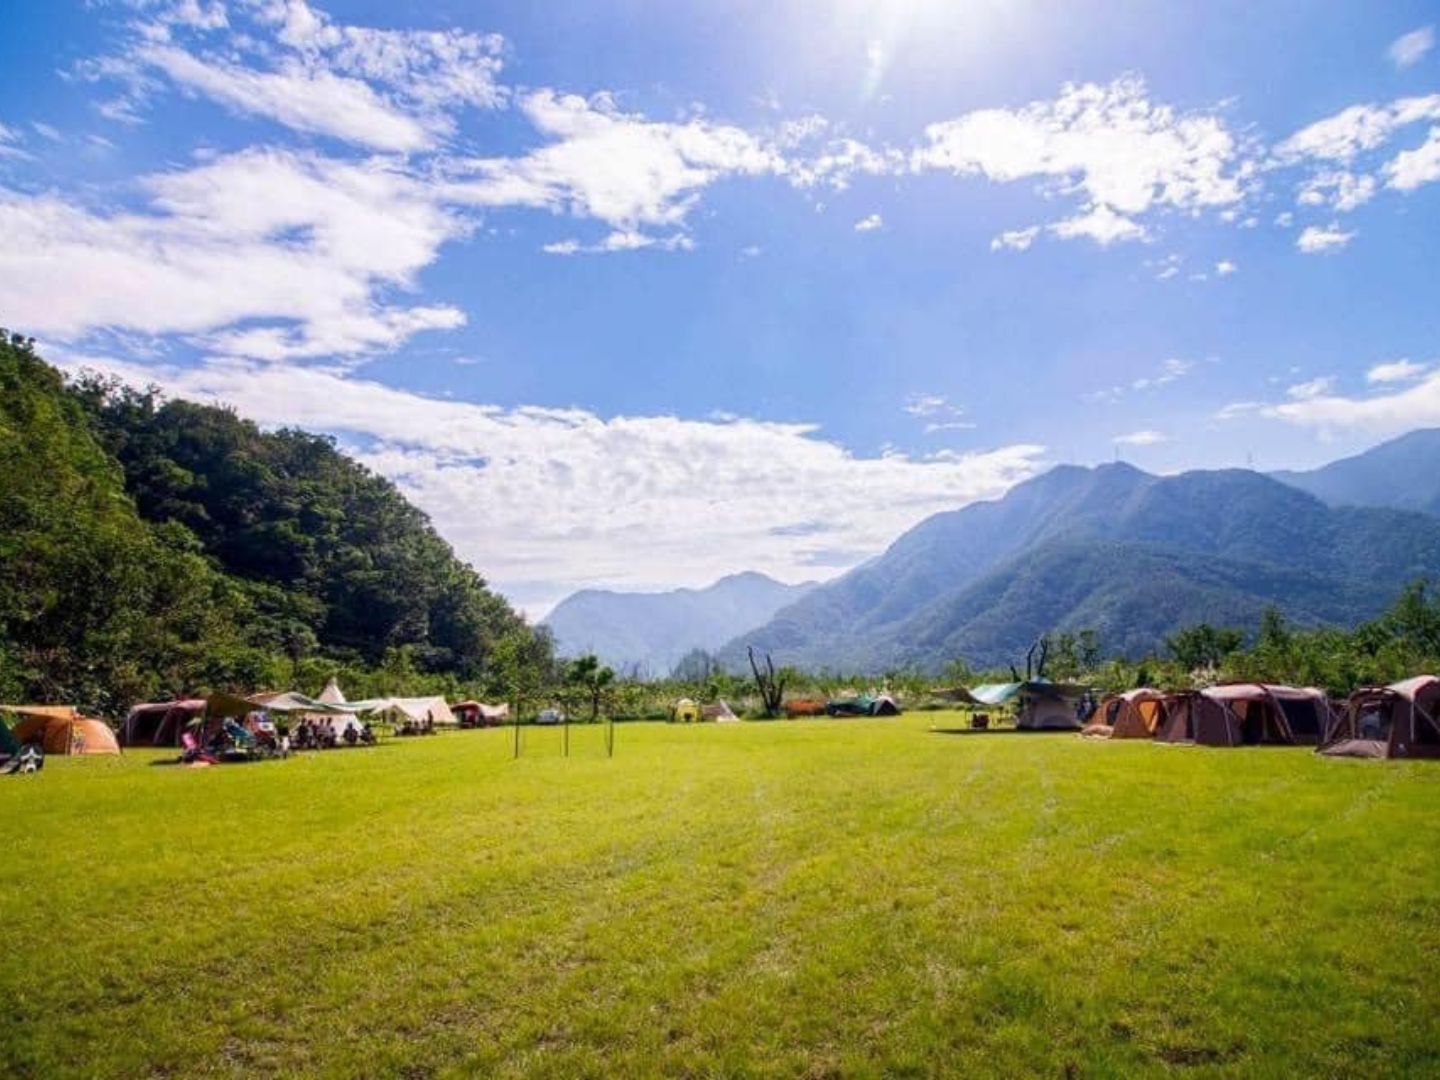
1203,645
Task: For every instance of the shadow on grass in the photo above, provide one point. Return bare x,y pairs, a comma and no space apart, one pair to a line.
1003,731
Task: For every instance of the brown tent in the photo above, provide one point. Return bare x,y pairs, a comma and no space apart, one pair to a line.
160,723
60,729
1247,714
1399,720
1135,714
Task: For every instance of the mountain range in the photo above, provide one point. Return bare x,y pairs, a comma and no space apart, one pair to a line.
651,632
1402,474
1130,555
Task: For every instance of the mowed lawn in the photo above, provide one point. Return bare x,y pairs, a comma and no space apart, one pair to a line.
818,898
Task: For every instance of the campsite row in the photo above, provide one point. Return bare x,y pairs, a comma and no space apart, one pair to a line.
1397,721
1400,720
233,726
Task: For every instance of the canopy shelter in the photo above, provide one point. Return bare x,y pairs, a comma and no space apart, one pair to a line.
1135,714
60,729
1248,714
479,714
159,723
1039,704
419,709
1401,720
958,694
286,703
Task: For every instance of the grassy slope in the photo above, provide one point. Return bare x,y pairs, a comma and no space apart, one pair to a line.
812,898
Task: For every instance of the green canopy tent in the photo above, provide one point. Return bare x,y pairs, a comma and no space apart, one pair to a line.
1039,704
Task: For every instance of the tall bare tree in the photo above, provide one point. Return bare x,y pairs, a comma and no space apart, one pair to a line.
770,684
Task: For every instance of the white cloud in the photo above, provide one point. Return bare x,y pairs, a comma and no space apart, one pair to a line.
926,404
1167,267
1407,49
1147,437
268,253
1345,135
1169,371
1015,239
1100,224
1383,414
870,223
306,99
1124,154
621,240
543,500
1319,387
1224,268
1395,371
389,90
616,167
1411,168
1237,409
1342,191
1316,239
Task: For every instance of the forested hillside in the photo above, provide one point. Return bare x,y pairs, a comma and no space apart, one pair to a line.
151,547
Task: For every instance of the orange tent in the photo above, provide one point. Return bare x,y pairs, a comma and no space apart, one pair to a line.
60,729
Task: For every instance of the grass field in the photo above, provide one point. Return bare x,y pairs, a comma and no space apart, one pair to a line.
822,898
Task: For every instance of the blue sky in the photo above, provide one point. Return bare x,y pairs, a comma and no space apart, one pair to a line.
638,294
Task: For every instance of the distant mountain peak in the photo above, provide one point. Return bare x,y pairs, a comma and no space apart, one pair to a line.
652,631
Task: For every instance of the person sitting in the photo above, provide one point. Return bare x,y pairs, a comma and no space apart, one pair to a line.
367,735
350,735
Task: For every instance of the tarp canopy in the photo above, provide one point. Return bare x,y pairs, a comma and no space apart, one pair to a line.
292,701
1002,693
417,709
995,693
60,712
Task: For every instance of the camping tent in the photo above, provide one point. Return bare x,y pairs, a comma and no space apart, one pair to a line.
685,711
1040,705
332,694
159,723
1399,720
478,714
884,705
60,729
719,712
1247,714
1135,714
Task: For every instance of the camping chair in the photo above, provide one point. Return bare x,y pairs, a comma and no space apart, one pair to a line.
30,759
191,750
